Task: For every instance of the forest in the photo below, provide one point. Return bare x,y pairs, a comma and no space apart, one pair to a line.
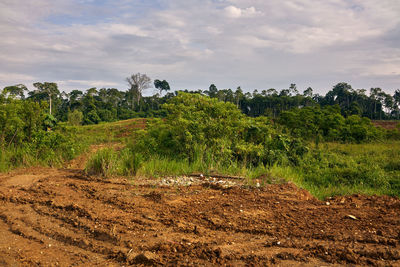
110,104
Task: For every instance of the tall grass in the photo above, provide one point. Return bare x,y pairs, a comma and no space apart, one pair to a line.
103,162
331,169
341,169
51,152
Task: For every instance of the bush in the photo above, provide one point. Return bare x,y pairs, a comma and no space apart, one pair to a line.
75,117
202,129
312,122
103,162
130,162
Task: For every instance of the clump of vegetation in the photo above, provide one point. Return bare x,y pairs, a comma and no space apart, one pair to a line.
328,124
203,129
371,168
130,162
75,118
103,162
28,135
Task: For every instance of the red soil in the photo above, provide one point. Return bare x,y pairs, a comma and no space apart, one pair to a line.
63,217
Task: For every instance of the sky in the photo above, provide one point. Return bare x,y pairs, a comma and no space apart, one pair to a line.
255,44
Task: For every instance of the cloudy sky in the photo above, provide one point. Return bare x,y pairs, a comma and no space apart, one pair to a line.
255,44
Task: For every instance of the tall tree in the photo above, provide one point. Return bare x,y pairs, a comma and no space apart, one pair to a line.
50,89
238,96
212,91
375,94
308,92
396,98
16,90
161,85
293,89
138,83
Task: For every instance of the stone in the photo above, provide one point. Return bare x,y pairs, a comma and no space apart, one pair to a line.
147,258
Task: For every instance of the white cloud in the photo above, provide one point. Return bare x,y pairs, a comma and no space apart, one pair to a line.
15,78
87,83
253,43
235,12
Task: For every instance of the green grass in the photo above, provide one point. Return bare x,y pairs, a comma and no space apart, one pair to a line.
332,169
119,131
342,169
104,162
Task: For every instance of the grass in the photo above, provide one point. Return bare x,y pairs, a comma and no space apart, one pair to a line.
64,143
103,163
119,131
342,169
332,169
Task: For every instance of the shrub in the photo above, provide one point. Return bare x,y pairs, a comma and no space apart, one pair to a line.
103,162
130,162
75,117
311,122
202,129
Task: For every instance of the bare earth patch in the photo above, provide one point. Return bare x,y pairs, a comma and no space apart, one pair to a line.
62,217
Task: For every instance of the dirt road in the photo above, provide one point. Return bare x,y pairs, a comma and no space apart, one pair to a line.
53,217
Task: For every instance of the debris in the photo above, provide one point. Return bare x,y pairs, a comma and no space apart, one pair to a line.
195,180
351,217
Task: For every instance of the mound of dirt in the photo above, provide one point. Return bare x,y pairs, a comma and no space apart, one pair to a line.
62,217
388,125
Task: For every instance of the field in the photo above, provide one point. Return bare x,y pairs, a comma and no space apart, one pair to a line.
62,216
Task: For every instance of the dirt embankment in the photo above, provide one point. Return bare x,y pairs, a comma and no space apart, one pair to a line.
62,217
388,125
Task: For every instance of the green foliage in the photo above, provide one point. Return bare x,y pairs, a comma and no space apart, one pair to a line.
24,140
49,121
130,162
103,162
312,122
107,115
19,120
349,168
199,128
92,117
75,118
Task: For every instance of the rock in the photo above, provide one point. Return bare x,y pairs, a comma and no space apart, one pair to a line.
146,258
85,242
130,257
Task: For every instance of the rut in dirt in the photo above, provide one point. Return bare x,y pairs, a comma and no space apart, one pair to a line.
67,218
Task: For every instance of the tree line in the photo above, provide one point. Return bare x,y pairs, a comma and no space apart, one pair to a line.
110,104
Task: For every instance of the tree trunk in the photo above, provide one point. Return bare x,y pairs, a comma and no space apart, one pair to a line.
50,102
138,101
